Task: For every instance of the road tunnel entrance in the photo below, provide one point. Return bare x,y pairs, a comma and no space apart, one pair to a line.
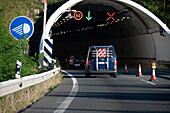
135,35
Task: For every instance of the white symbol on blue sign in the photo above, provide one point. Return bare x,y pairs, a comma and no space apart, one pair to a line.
21,28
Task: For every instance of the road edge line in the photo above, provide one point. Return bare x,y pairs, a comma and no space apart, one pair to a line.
65,104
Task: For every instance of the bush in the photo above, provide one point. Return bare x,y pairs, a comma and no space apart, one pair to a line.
12,50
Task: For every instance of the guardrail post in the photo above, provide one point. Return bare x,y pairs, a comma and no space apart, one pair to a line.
37,89
44,85
11,99
54,63
18,69
26,92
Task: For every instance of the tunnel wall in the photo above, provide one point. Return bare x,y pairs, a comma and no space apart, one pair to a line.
131,50
131,47
162,45
143,49
135,47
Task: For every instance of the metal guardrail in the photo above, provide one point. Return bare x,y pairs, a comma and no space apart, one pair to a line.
15,85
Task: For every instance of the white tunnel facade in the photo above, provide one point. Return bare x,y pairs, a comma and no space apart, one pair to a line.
149,44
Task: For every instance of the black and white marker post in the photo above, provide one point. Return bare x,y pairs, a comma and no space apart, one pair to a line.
18,69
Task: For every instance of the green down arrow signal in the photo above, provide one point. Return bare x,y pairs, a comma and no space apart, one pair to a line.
88,18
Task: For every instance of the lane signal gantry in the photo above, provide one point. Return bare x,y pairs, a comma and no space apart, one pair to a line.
111,16
88,17
78,15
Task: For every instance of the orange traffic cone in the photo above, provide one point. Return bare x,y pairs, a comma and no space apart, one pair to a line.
126,71
153,77
140,71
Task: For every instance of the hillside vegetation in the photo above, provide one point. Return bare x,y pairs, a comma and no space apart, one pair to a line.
12,50
14,8
161,8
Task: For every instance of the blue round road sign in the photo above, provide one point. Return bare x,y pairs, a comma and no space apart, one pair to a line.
21,28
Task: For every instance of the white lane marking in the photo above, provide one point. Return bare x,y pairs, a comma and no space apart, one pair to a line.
148,82
69,99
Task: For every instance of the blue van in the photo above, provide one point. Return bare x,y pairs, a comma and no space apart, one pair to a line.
101,60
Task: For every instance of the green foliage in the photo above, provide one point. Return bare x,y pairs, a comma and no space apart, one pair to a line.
12,50
51,88
8,52
14,8
57,62
161,8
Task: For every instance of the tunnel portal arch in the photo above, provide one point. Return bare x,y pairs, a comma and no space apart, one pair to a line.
48,42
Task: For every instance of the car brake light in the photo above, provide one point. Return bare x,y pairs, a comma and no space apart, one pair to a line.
89,63
70,60
82,60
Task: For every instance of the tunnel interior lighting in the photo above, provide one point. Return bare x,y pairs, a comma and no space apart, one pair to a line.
67,18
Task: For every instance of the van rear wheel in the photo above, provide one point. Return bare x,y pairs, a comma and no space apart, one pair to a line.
114,75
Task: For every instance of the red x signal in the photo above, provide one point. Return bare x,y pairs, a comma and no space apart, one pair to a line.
111,16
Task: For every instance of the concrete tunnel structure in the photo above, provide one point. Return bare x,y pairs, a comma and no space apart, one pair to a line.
135,33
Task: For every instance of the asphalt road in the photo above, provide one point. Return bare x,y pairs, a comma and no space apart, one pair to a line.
103,94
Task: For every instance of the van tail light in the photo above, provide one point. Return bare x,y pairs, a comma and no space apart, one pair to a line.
115,62
115,65
82,61
89,63
70,61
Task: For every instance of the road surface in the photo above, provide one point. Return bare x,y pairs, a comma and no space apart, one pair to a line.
103,94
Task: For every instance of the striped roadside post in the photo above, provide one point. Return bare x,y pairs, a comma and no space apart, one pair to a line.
47,43
18,69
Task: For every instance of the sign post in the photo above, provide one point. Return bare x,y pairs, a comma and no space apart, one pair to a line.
44,28
44,25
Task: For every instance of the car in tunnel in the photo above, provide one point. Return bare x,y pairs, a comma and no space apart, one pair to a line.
101,60
76,61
